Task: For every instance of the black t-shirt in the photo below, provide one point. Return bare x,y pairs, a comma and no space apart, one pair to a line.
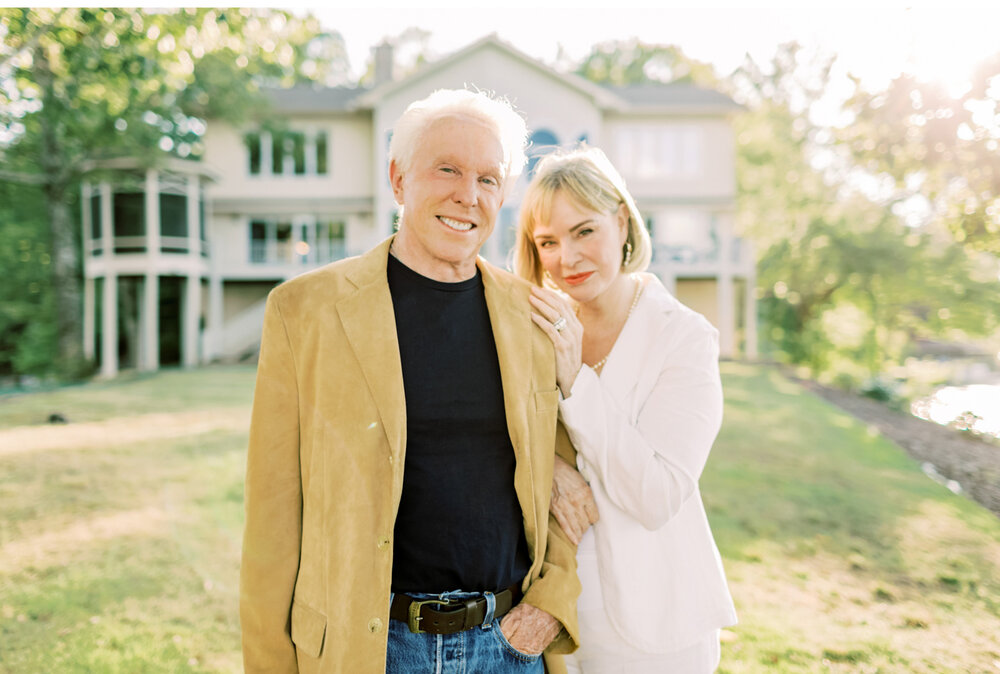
459,525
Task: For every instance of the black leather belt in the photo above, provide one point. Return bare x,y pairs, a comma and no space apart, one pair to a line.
448,617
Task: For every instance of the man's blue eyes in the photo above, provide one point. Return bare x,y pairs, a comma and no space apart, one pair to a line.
489,181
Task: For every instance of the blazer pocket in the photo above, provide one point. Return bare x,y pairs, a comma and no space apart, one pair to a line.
546,401
308,629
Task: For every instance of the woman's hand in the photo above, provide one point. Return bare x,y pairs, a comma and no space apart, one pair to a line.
568,342
573,503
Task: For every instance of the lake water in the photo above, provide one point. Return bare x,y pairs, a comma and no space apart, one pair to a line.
952,402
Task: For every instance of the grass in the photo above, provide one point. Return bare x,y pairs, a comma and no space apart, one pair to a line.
842,556
133,393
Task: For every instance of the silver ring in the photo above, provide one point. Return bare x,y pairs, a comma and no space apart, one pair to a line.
559,324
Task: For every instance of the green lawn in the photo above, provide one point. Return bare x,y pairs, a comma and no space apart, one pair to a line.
133,393
841,554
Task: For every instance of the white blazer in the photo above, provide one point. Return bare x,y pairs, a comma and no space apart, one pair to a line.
643,429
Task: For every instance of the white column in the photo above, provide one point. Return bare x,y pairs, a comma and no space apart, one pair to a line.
149,324
149,314
724,290
271,242
86,225
191,337
89,313
109,293
152,214
89,301
192,312
215,317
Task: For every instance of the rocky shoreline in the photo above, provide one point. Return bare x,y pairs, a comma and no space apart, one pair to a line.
970,461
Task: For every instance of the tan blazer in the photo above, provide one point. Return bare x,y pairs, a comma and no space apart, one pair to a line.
325,468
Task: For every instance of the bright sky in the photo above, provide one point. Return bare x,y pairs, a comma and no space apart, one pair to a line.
874,40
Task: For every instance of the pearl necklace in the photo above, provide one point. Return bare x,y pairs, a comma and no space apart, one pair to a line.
596,367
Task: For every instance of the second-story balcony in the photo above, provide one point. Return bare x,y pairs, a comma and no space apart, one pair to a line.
298,253
690,260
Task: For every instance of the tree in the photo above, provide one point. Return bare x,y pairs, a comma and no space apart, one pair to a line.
939,153
82,84
27,344
844,283
621,63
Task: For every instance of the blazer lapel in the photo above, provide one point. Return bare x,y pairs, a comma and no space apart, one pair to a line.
370,326
512,330
625,365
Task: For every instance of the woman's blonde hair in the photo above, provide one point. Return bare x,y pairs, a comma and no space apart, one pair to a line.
585,175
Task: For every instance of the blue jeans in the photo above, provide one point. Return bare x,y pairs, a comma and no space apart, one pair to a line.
480,650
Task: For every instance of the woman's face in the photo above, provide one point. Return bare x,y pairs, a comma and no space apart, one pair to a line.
581,249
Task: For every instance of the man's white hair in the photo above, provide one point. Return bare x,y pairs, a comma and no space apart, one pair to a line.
495,112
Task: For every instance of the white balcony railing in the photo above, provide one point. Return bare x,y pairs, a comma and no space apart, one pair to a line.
282,253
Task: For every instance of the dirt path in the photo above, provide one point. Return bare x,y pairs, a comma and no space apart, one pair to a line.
972,462
122,430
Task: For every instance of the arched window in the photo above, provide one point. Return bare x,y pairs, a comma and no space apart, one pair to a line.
542,142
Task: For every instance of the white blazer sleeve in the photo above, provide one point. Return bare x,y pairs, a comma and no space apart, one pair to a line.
649,458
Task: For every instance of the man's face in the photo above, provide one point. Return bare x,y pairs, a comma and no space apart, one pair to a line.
451,194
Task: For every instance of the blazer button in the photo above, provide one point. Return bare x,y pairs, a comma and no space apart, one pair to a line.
383,543
375,625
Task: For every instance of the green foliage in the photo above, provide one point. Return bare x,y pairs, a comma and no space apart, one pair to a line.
621,63
938,150
845,283
80,84
137,82
27,335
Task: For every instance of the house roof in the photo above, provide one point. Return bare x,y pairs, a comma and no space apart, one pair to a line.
304,99
674,95
641,98
600,95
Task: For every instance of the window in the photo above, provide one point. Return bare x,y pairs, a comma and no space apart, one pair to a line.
321,153
95,216
307,240
284,249
129,213
173,215
330,240
658,151
541,143
258,241
253,152
287,153
686,235
278,154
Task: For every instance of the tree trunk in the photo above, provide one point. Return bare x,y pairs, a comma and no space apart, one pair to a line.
66,277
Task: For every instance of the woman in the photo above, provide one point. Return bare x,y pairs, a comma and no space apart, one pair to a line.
642,402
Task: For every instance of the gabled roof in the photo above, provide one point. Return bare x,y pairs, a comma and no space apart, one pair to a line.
306,99
674,96
600,95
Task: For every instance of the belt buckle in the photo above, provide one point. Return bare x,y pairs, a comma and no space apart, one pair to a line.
413,622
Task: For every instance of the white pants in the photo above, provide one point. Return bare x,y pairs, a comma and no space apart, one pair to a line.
603,651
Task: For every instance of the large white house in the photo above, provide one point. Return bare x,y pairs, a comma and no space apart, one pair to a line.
179,260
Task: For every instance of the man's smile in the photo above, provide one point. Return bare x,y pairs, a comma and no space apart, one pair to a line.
459,225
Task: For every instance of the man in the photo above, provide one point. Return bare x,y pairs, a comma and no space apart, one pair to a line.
401,447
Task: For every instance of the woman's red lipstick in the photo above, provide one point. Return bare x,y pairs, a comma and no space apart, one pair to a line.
577,279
